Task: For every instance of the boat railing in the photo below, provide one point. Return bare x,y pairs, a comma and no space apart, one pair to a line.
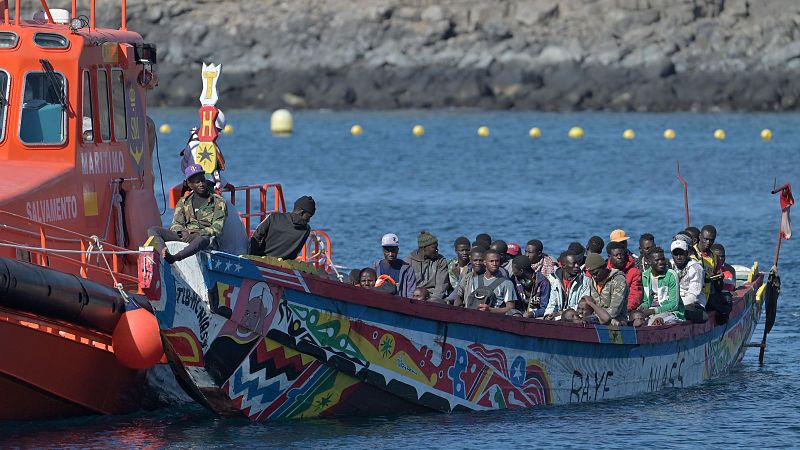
263,207
123,26
51,246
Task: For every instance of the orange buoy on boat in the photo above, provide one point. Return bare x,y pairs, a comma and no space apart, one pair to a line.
137,338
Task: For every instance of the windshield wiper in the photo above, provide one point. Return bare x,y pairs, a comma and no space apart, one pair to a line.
51,77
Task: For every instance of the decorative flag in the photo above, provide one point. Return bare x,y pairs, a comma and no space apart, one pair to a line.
786,203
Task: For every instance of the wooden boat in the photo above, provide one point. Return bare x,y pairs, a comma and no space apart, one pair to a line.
75,165
263,339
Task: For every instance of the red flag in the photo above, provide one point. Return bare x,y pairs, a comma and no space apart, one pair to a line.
786,203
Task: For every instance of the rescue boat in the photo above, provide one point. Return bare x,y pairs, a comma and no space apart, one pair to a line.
76,199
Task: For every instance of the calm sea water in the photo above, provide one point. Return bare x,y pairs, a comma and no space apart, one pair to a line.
452,183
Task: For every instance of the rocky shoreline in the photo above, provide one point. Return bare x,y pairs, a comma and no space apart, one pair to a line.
549,55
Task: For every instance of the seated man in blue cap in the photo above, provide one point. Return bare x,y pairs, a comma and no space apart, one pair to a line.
283,235
198,218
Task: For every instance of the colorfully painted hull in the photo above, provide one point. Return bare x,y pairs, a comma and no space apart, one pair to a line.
268,343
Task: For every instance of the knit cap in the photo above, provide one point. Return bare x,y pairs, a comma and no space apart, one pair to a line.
425,239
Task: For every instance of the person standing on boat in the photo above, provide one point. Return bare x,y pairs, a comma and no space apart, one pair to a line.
459,266
430,268
533,289
567,284
282,235
400,271
609,287
198,220
620,259
540,262
690,275
706,257
661,298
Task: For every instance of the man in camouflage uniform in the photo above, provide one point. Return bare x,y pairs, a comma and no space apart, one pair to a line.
198,218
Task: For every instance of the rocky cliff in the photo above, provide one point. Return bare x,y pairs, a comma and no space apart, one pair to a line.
641,55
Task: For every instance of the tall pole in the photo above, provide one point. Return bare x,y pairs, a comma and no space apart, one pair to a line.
685,193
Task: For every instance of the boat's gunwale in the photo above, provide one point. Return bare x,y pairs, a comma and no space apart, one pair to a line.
517,325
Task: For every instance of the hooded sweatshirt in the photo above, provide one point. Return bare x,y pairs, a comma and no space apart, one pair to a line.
279,235
633,277
431,274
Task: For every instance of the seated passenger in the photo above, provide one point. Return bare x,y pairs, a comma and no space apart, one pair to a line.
568,284
513,249
661,290
577,249
728,272
283,235
609,288
484,240
703,250
646,242
490,291
690,276
464,288
459,266
430,268
540,262
595,245
400,271
368,278
355,277
533,289
590,312
637,318
421,294
501,247
621,259
199,218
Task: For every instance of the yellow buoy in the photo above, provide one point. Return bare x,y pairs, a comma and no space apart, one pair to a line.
535,132
165,129
281,122
669,133
356,130
228,129
418,130
719,134
483,131
628,134
766,134
575,132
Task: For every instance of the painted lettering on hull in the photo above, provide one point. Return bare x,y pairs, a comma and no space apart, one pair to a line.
102,163
53,209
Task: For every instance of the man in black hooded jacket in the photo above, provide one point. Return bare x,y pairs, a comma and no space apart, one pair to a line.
283,235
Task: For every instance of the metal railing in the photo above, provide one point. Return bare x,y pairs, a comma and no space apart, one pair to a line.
65,250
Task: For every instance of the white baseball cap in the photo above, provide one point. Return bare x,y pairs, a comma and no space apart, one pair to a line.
679,243
390,240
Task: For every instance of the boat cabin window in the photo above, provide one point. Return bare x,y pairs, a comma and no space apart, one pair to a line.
50,40
3,102
44,113
118,98
8,39
102,104
87,124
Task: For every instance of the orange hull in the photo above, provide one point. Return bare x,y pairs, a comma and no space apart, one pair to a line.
52,369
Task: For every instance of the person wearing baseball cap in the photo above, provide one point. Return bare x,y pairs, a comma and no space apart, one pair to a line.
399,271
690,280
282,235
198,220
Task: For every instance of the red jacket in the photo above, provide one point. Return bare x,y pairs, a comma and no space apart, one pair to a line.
633,276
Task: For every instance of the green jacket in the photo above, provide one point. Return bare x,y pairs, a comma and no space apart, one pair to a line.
209,218
669,298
